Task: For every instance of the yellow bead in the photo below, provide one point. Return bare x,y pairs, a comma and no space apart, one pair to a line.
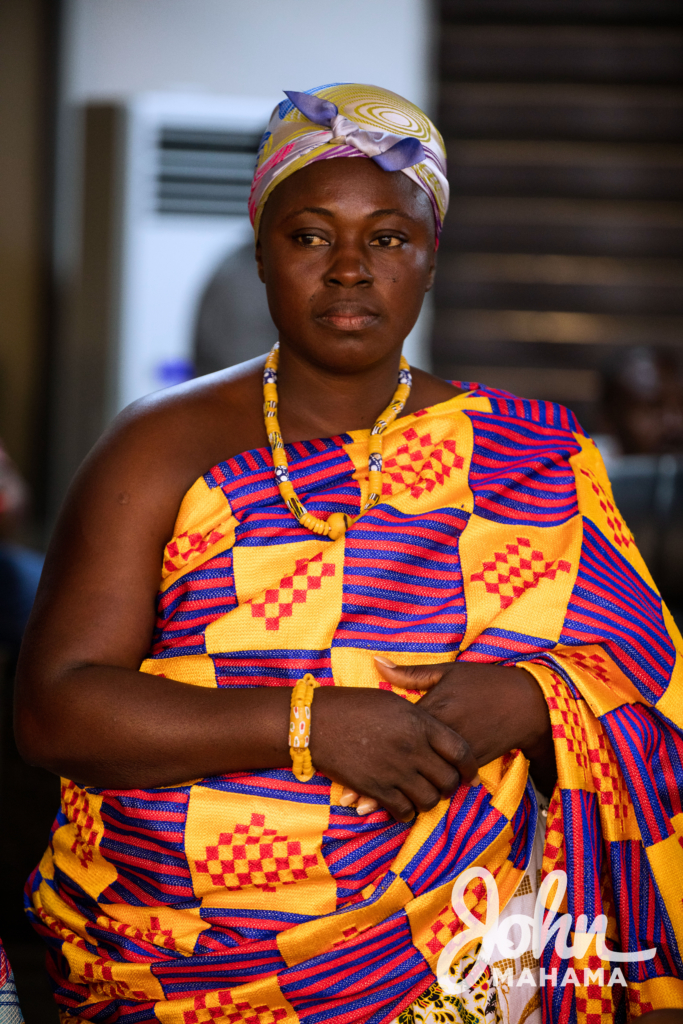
338,523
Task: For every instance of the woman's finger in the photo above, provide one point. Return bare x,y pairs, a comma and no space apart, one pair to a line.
441,773
422,793
398,804
366,805
454,749
412,677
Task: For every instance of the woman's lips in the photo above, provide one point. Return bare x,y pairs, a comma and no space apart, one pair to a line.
349,321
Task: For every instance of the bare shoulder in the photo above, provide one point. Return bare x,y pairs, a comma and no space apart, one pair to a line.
127,493
173,436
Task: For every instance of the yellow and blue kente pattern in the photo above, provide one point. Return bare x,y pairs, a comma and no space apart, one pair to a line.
254,897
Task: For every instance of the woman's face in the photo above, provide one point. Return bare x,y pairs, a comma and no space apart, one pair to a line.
346,251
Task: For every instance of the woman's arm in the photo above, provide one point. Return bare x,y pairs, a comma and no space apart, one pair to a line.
83,709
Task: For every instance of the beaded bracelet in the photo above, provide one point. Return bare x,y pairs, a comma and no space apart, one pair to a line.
300,728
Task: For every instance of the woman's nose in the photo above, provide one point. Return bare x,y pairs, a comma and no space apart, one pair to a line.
349,267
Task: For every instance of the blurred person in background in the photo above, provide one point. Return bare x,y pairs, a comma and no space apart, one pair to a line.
20,567
643,402
450,545
643,412
233,323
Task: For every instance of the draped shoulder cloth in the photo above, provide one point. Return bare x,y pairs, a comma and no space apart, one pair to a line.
254,897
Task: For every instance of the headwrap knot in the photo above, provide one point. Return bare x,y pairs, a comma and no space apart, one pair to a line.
391,152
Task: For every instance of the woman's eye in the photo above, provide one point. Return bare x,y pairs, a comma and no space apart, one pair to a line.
309,240
387,242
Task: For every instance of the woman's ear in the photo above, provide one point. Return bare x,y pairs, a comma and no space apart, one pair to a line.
259,261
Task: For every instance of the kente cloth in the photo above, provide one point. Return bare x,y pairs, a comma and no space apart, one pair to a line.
10,1011
254,897
351,120
508,994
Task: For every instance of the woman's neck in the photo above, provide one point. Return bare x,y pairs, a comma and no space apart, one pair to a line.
315,402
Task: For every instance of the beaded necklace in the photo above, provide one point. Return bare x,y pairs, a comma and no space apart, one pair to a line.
338,523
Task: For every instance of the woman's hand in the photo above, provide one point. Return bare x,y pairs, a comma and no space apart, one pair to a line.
379,744
494,708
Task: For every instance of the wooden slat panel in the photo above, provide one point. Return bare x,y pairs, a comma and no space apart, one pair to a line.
567,52
564,226
560,110
525,268
551,282
591,11
555,327
563,123
590,170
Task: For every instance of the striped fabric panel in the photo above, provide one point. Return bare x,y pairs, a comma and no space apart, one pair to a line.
523,824
232,927
612,606
559,1003
666,763
271,668
375,977
584,857
495,644
79,900
190,975
635,734
111,941
278,783
248,481
403,583
464,832
322,474
190,604
643,922
144,840
357,850
548,414
520,472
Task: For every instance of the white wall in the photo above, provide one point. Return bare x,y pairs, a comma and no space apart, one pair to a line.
245,47
240,48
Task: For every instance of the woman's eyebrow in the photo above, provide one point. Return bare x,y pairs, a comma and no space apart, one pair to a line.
385,213
320,210
323,212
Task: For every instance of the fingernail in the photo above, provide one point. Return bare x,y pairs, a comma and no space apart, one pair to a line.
476,781
366,807
385,662
347,799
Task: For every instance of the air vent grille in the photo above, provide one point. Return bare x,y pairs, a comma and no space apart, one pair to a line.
204,171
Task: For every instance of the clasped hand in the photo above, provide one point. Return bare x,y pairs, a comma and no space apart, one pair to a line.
406,757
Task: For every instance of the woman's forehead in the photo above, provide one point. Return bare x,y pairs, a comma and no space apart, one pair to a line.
349,185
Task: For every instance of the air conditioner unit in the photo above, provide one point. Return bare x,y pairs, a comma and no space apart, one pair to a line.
162,201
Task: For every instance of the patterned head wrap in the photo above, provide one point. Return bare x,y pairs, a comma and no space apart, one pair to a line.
350,120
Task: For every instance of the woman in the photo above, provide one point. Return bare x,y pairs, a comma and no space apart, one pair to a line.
196,870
